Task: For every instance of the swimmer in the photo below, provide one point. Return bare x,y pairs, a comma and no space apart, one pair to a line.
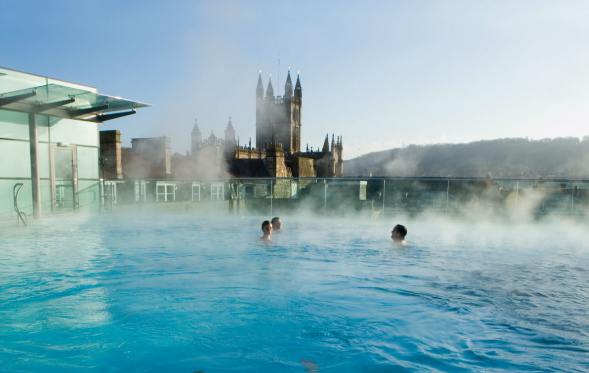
276,224
267,229
398,234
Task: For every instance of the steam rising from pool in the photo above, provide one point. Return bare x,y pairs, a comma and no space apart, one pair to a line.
185,293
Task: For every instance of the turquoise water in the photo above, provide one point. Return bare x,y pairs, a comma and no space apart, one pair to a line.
179,293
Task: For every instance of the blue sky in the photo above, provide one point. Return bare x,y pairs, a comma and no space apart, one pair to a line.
379,73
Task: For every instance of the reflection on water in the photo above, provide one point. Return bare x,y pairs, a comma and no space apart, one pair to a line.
182,293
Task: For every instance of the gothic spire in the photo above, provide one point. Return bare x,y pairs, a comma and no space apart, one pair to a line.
326,144
195,128
298,90
332,141
288,86
270,90
260,88
230,133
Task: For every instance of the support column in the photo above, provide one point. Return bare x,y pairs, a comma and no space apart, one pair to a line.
35,180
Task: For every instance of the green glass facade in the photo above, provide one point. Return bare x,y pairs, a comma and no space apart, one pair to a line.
67,152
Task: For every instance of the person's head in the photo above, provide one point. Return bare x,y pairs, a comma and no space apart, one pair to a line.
267,228
276,223
399,232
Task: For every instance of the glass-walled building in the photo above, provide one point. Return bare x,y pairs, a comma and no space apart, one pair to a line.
49,143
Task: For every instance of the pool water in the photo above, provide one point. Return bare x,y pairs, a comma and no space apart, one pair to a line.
182,293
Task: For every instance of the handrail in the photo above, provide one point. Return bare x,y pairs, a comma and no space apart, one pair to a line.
87,190
19,214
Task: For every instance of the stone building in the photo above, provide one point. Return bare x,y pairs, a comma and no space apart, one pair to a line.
278,141
327,162
278,119
147,157
277,151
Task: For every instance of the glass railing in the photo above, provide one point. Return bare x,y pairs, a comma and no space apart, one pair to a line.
375,197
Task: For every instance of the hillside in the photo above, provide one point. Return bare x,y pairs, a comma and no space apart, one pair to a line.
508,158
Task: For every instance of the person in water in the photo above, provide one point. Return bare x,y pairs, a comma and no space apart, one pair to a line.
398,234
276,224
267,229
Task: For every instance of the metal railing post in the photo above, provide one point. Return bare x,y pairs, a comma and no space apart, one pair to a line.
384,188
447,196
325,197
516,194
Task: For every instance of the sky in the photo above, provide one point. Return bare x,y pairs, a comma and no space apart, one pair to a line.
381,74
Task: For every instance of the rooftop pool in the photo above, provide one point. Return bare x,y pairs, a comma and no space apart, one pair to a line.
184,293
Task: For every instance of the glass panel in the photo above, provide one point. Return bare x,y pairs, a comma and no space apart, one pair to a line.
217,191
46,198
44,165
43,128
345,196
64,161
88,196
161,193
170,189
87,159
140,187
14,125
15,159
84,99
64,179
74,132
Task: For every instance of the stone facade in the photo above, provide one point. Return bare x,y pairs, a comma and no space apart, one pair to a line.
278,138
278,119
275,161
156,150
329,161
148,158
277,150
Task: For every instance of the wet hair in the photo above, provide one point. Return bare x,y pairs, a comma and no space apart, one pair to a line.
265,223
400,230
275,219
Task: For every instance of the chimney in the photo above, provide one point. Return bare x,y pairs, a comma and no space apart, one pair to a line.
110,150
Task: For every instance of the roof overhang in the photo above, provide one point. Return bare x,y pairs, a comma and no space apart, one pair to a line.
61,101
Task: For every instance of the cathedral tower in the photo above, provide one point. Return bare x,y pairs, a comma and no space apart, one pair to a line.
278,119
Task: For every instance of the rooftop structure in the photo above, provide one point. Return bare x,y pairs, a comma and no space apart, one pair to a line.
49,135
